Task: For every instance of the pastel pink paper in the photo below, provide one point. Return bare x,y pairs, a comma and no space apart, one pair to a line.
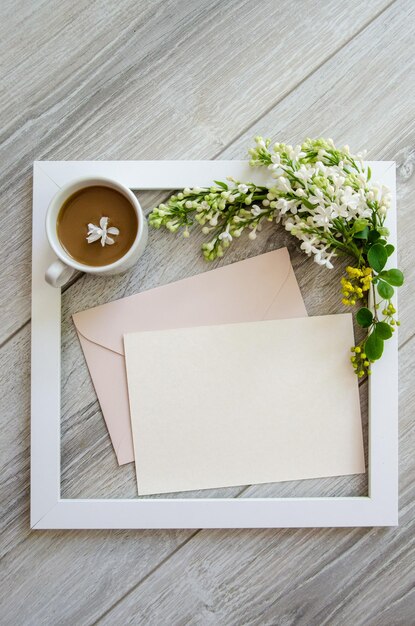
259,288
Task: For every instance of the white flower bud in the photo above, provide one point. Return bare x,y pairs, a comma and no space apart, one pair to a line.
189,204
252,235
205,230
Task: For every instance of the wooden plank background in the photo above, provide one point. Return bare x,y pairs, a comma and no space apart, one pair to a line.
196,79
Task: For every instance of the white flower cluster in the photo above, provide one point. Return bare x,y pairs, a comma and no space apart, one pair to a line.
324,197
321,195
225,210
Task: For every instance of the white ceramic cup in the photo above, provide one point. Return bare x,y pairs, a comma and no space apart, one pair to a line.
62,269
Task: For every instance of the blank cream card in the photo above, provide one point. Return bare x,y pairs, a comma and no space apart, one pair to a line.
240,404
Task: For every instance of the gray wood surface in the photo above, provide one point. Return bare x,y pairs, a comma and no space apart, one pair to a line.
195,79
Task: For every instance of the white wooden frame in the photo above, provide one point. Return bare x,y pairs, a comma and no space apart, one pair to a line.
49,510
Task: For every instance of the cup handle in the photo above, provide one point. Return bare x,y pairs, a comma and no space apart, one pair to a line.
58,274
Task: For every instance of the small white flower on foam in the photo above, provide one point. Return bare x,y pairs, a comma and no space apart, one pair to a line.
102,232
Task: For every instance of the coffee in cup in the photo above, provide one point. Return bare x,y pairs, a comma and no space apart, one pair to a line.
94,225
97,225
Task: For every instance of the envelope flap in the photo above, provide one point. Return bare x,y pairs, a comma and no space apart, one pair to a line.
238,292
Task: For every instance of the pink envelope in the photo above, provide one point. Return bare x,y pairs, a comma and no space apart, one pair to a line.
260,288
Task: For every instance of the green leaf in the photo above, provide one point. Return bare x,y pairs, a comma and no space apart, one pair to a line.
369,174
393,277
383,231
364,317
221,184
373,235
385,291
373,347
362,234
381,241
377,256
383,330
389,248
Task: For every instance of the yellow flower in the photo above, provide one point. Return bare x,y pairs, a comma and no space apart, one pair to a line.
354,272
359,282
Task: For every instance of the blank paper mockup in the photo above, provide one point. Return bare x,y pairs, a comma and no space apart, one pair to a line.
246,403
262,287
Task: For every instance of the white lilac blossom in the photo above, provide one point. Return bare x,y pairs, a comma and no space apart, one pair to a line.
321,195
318,192
102,232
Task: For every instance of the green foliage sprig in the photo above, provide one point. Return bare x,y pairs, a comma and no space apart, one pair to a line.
325,198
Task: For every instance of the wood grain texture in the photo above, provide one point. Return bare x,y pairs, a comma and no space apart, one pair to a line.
289,577
192,80
89,81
